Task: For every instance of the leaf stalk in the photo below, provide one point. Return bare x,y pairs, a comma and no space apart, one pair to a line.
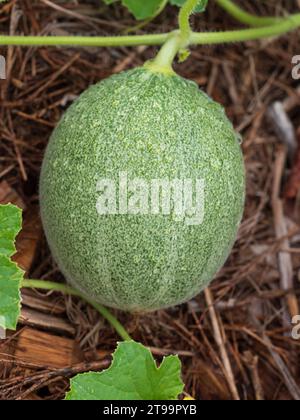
63,288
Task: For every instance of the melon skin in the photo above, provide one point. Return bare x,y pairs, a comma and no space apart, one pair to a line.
149,125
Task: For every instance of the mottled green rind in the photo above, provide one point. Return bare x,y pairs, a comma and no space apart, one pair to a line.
152,126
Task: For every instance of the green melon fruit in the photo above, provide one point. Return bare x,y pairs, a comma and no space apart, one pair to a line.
142,190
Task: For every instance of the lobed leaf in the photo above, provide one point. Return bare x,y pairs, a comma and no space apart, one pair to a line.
133,375
10,226
10,274
145,9
142,9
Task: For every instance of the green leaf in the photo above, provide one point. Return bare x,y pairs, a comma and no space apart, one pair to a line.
10,301
142,9
133,375
202,4
10,226
10,275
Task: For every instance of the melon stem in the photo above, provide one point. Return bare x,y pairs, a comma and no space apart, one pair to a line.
178,40
162,63
63,288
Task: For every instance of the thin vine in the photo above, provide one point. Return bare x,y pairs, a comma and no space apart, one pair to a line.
282,26
63,288
184,20
244,17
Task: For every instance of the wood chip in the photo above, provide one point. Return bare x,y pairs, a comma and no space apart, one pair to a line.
33,301
44,349
9,195
48,322
28,240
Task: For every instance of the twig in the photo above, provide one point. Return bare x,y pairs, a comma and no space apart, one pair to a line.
252,363
283,127
45,377
286,374
284,258
220,342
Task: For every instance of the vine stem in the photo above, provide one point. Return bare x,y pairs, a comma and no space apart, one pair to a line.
85,41
184,20
282,26
63,288
247,18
